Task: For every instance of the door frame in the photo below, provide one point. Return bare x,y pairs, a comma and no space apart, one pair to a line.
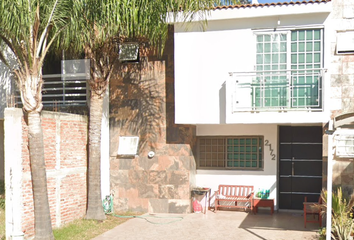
278,160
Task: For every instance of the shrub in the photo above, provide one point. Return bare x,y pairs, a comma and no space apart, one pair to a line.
342,215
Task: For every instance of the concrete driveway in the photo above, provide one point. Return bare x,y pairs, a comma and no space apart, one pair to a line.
220,225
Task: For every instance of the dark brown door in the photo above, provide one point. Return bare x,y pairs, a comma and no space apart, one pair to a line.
300,165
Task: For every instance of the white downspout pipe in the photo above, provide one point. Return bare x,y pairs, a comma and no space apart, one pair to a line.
105,167
329,181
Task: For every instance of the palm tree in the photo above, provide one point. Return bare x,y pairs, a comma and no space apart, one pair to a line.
28,28
96,30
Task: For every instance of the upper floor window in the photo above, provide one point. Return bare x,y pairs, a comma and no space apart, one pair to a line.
288,72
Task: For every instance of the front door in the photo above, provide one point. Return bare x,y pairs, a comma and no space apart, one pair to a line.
300,165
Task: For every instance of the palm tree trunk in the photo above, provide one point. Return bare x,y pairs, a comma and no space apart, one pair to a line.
43,226
94,202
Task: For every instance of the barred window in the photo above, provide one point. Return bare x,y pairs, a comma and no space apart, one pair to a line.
241,152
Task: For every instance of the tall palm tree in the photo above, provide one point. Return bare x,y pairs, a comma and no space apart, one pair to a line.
96,30
28,28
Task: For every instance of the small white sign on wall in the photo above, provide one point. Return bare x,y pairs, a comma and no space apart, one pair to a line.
345,42
128,145
344,143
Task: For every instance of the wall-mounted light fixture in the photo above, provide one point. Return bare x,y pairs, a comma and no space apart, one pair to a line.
129,52
151,154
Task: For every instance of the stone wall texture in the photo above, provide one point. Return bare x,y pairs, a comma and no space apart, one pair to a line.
343,176
142,104
342,65
65,143
342,86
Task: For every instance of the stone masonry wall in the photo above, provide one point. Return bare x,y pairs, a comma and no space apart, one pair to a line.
342,65
142,104
65,141
342,86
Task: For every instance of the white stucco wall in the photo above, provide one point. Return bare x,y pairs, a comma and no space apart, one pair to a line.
203,61
262,179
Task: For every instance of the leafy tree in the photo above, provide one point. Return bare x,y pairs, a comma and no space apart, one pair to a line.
28,28
96,30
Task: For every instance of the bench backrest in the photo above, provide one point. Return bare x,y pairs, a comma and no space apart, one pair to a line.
236,190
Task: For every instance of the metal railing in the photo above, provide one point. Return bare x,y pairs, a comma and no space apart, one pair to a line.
66,89
62,90
279,90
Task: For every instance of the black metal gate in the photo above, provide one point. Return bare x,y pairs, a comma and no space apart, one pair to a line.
300,165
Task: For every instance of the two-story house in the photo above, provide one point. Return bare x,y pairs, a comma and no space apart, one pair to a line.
256,83
249,100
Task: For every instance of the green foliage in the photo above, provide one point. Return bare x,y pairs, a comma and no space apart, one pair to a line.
2,194
87,229
2,203
97,27
2,187
94,21
342,216
28,28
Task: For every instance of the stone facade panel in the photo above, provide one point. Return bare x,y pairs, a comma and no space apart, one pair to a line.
168,192
343,175
158,205
147,190
142,104
125,164
120,204
178,178
157,177
338,80
347,105
138,176
179,206
167,163
186,162
119,177
147,163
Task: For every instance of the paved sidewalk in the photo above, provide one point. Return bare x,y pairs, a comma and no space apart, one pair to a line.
221,225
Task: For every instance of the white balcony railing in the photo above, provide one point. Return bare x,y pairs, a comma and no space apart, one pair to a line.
280,90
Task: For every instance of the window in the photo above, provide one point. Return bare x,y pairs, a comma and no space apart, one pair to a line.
288,68
272,83
67,86
306,46
239,152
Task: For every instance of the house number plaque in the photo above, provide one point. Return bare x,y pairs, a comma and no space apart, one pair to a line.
266,143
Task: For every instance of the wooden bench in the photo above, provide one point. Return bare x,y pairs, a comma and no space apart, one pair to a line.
234,196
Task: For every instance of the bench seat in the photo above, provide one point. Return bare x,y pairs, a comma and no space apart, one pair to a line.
234,196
